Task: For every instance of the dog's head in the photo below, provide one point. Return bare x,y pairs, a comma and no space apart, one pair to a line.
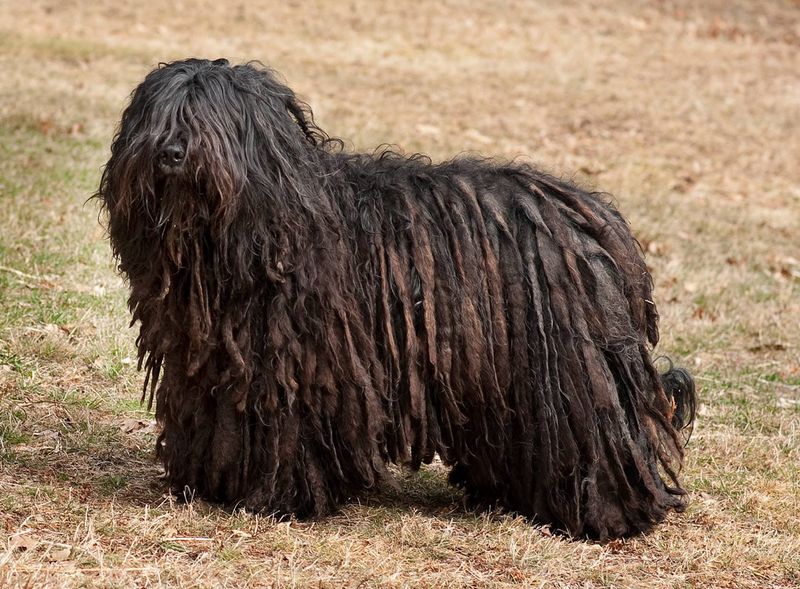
200,137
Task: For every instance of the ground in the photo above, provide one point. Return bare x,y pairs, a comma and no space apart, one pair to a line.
688,113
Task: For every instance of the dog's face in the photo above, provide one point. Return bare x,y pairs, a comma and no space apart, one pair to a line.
198,135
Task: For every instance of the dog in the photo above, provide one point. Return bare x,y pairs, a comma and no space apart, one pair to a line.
308,316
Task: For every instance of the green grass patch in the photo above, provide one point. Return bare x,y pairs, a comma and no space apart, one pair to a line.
781,378
10,435
112,483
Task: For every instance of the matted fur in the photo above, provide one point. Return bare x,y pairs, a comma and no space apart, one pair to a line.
307,315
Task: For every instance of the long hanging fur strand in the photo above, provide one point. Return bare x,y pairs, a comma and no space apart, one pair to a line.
307,316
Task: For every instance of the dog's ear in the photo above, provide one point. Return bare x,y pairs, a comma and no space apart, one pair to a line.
304,118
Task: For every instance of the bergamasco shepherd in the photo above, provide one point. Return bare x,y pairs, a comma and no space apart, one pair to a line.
308,316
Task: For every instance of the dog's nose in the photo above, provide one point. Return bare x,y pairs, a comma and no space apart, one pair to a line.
171,156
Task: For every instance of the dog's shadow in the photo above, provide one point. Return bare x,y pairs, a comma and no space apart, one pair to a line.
125,471
426,491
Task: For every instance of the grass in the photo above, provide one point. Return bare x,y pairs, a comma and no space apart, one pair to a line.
686,112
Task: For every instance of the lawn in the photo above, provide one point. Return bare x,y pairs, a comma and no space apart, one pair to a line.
688,113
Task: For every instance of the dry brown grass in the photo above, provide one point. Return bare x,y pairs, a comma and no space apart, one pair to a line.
691,116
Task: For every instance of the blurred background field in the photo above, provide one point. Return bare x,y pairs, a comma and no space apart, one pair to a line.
687,112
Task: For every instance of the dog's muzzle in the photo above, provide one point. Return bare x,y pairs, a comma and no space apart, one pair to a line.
171,158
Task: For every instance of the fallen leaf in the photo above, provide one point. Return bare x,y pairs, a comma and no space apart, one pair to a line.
60,553
22,542
135,425
769,347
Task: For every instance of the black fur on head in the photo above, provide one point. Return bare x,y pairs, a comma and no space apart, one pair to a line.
307,316
239,134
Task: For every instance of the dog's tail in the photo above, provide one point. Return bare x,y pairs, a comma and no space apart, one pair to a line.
679,386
